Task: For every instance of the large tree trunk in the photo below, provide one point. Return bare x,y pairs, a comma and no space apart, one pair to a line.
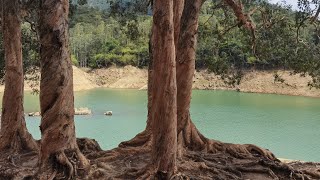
186,47
149,90
189,138
13,135
1,15
56,91
144,139
164,91
178,6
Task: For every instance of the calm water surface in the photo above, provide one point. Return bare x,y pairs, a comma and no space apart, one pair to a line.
289,126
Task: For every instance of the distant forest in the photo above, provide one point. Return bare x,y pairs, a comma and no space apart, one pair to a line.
117,32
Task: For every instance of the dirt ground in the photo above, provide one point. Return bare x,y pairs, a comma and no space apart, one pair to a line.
131,163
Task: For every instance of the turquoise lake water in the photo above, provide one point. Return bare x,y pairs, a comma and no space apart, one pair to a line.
289,126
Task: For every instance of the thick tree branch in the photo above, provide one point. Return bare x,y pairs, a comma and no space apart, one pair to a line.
244,19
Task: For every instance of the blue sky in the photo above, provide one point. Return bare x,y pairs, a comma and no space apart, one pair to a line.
291,2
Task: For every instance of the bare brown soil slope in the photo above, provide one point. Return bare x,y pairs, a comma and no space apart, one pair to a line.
253,81
82,81
130,77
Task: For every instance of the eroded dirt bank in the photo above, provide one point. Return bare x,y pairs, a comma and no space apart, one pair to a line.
253,81
130,77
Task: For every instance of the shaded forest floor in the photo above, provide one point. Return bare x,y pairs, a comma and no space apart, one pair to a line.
127,163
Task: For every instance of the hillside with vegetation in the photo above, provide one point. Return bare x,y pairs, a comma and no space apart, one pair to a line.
283,40
117,33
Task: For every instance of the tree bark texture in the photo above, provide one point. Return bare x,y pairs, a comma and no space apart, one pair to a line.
56,87
178,6
189,138
144,138
164,91
185,60
13,135
243,19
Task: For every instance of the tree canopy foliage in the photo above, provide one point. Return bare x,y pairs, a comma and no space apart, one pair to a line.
113,32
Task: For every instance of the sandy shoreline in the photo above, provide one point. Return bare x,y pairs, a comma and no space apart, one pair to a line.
130,77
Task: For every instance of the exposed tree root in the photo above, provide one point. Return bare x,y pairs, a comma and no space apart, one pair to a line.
66,164
199,165
18,141
133,163
309,168
145,173
88,146
190,138
228,161
142,139
216,159
18,166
